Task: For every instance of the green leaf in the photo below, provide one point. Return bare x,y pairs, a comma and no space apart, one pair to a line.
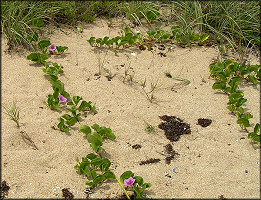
240,102
256,138
65,94
248,116
93,174
96,127
36,57
37,22
100,178
194,37
85,129
241,110
222,76
105,165
144,187
107,132
62,126
227,62
95,139
203,37
257,128
70,103
56,93
43,44
219,85
71,121
32,37
76,99
84,105
126,30
175,30
252,79
91,40
126,175
61,49
138,180
91,156
95,148
231,108
253,68
244,122
236,95
250,135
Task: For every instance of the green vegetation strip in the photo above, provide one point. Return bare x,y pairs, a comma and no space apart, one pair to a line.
228,75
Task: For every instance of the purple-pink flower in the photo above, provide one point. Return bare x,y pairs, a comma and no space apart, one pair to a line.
52,47
62,98
129,182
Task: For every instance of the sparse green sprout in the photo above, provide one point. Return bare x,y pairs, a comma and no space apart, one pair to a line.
13,113
149,128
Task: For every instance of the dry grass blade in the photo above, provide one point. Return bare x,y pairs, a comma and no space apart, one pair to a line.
13,113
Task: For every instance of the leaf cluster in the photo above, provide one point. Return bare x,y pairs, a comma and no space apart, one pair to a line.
90,165
43,56
67,120
138,186
96,138
228,75
127,38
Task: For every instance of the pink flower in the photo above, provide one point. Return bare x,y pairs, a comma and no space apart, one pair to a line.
52,47
129,182
62,98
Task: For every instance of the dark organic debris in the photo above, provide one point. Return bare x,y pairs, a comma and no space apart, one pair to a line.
171,152
173,127
169,148
151,160
221,196
4,189
136,146
142,47
123,196
162,54
67,194
204,122
109,77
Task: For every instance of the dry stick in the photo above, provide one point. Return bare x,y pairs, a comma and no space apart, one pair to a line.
25,136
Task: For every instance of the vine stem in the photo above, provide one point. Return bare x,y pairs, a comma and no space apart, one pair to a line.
79,122
122,188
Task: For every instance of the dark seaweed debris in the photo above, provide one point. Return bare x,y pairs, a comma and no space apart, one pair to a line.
174,127
136,146
204,122
151,160
4,189
171,152
67,194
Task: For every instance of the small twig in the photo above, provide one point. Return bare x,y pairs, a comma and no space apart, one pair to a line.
164,154
25,136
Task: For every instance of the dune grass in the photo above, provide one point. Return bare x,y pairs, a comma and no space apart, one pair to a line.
231,24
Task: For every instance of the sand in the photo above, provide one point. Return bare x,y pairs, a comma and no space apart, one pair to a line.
213,161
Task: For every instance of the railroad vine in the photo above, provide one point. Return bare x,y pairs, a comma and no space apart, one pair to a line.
228,75
93,166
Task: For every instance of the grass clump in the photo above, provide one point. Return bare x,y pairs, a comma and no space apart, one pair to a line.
13,113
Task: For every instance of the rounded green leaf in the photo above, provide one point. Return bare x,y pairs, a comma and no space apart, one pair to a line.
252,79
139,180
126,175
257,128
219,85
43,44
37,22
244,122
85,129
203,37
